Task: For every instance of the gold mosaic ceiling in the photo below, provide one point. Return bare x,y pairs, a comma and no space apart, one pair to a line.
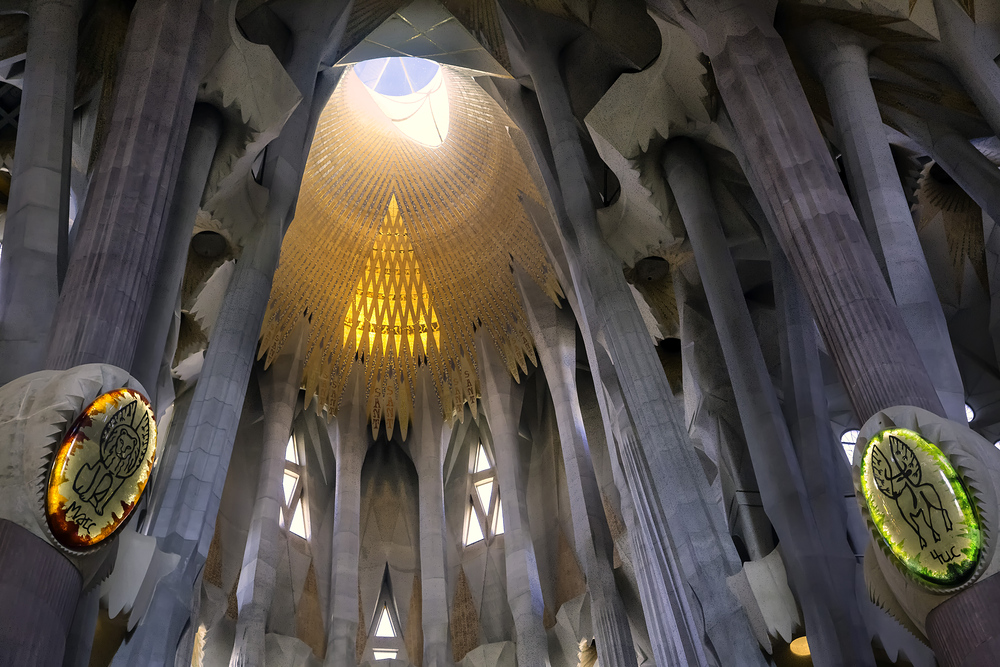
399,252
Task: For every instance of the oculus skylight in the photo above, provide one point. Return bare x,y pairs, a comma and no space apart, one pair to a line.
411,93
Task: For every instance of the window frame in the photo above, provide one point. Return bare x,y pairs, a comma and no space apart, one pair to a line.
485,515
296,499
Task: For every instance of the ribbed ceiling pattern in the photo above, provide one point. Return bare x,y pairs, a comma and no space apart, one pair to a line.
391,236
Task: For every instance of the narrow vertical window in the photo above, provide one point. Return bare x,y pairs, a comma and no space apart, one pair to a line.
485,518
293,514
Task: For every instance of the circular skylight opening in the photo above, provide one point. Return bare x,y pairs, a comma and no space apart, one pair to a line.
396,77
970,414
411,94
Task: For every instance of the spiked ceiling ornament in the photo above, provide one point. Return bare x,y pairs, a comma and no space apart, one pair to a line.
941,200
399,251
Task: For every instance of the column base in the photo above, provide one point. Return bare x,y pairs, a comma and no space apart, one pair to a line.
965,630
39,591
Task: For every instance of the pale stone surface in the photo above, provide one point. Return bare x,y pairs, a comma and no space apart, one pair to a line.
554,332
279,387
35,232
697,529
430,439
501,399
349,436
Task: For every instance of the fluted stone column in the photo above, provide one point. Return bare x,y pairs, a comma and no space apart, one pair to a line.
279,389
431,437
676,634
185,522
840,57
501,397
110,278
697,527
554,331
35,234
965,48
836,635
792,173
349,435
196,161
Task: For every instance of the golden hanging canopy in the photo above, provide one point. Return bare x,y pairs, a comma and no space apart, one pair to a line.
399,251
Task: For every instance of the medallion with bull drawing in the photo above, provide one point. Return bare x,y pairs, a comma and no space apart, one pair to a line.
920,507
101,469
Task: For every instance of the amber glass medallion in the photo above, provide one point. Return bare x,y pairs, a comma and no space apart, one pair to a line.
101,469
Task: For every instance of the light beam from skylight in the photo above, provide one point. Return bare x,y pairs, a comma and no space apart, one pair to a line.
411,94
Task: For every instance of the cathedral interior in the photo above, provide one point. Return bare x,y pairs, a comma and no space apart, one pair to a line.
496,333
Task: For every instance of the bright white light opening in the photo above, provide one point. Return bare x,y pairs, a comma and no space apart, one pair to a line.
849,439
970,414
498,522
384,628
288,485
299,522
384,653
997,444
473,531
411,93
290,453
482,461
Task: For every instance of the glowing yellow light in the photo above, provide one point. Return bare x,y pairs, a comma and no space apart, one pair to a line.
398,306
800,646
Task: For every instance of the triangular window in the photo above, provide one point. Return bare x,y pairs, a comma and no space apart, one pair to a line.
384,627
474,532
298,525
293,510
288,484
485,491
498,521
482,461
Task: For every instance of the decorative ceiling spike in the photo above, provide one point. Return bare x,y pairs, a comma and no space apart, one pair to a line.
400,251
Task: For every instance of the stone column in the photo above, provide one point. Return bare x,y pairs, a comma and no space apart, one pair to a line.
840,58
501,398
35,234
110,279
554,331
38,609
675,634
965,48
196,161
431,436
279,389
792,173
606,307
713,418
836,636
185,522
349,435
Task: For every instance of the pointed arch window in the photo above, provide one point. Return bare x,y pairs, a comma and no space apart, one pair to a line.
293,512
384,629
484,516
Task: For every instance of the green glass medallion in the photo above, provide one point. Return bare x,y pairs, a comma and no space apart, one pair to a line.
920,507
